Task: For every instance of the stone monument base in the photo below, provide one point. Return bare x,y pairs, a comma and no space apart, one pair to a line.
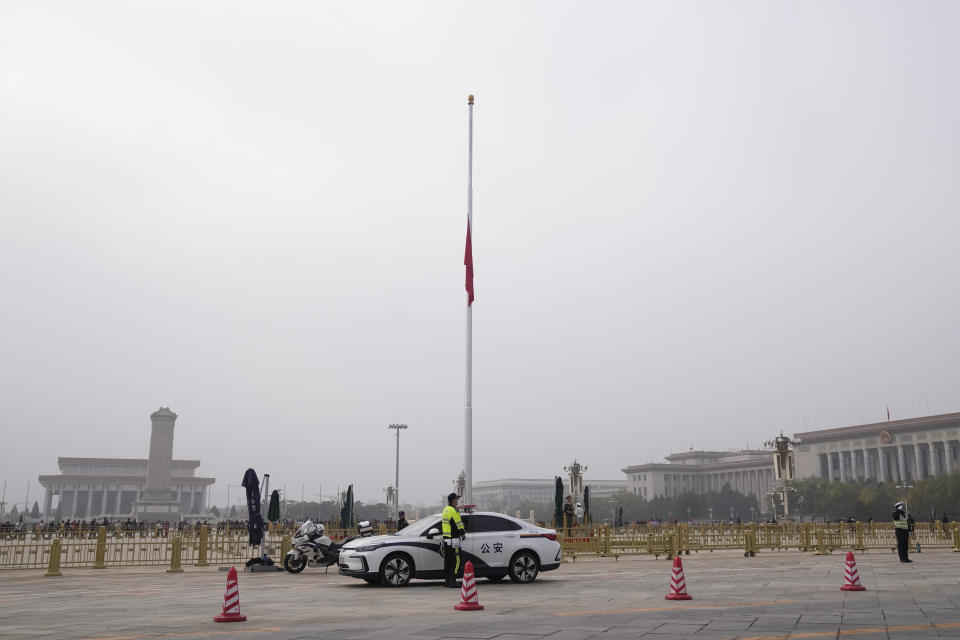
157,511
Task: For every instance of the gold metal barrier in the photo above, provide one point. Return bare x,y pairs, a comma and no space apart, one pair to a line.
202,546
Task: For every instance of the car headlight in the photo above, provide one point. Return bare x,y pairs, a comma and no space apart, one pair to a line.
370,547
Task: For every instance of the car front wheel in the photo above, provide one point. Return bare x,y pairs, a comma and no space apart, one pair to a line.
396,570
524,567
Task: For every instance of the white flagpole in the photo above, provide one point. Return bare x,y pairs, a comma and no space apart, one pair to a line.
468,398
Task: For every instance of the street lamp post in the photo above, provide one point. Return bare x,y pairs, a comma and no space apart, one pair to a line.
773,504
710,511
396,484
903,486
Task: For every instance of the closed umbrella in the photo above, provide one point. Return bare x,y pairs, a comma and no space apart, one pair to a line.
586,505
254,520
273,512
346,511
558,504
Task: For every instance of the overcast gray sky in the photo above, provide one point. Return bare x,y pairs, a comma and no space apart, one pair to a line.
696,224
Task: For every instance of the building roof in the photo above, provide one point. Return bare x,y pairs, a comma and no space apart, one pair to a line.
536,482
718,455
122,462
874,428
97,478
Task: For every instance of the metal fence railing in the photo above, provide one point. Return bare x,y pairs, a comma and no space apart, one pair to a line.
668,540
202,546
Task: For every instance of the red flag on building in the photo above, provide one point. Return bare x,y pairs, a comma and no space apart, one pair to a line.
468,263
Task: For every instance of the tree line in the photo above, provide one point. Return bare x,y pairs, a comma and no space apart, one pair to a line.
933,497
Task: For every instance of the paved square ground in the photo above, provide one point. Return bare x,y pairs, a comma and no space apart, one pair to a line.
771,596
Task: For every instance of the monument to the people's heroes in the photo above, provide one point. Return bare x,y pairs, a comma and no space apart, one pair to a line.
158,500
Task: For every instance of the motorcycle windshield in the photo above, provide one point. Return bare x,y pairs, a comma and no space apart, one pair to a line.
304,528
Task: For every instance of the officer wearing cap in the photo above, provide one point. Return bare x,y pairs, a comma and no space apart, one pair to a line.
453,534
901,524
401,520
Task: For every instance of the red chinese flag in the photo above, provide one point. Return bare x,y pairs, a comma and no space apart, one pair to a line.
468,263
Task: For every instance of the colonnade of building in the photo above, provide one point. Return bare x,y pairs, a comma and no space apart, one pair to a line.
757,482
83,500
890,463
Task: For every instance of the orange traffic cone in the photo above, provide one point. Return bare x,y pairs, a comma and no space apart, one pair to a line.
678,584
468,591
231,600
851,579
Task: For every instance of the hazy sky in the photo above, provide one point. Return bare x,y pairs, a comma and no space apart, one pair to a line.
696,224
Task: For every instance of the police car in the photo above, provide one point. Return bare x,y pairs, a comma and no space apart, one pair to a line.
497,545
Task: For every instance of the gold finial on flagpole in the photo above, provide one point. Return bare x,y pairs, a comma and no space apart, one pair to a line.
470,99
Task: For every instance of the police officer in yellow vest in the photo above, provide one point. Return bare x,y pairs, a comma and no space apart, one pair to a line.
901,524
453,534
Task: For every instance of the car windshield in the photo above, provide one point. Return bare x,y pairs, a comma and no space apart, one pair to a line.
418,527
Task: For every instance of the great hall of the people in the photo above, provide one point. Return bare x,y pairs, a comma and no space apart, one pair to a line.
891,451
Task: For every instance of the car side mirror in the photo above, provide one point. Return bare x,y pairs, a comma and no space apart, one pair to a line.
433,532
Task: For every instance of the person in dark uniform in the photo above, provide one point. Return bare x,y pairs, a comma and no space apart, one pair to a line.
453,534
401,520
568,515
901,524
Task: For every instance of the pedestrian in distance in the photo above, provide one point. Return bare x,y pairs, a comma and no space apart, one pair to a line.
901,524
453,534
401,520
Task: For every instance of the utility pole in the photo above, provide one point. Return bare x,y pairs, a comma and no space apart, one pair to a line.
3,500
396,485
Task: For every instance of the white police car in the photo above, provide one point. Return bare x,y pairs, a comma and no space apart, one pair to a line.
497,545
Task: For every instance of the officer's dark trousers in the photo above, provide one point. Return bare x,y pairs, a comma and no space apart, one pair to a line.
903,543
451,564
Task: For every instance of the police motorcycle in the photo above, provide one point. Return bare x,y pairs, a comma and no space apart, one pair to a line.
312,547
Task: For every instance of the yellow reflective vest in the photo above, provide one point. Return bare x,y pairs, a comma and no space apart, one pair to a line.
451,519
900,521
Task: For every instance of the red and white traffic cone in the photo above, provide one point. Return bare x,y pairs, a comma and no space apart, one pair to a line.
678,584
851,579
468,591
231,600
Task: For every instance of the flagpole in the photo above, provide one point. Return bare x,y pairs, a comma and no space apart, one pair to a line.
468,397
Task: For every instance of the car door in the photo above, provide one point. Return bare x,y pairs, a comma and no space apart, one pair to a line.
491,540
428,556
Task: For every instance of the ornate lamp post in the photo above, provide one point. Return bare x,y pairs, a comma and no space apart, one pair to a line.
783,467
576,471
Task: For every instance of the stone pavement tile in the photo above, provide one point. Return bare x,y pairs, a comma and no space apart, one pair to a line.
728,625
574,634
897,621
819,618
815,627
676,628
718,634
945,615
875,618
461,632
761,625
